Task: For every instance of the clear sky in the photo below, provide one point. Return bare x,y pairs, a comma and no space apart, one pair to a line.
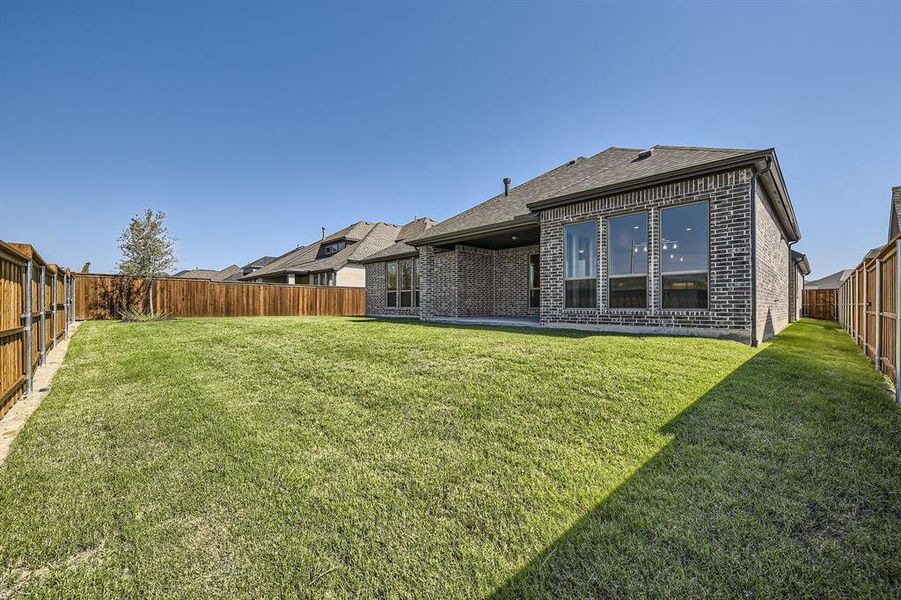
253,124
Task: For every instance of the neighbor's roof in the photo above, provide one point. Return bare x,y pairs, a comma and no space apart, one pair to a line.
260,262
368,237
610,171
830,282
894,226
401,249
211,274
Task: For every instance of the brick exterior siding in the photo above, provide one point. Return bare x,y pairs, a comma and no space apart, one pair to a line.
729,304
468,281
771,272
473,282
377,294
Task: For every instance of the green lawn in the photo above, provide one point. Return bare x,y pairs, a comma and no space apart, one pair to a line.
350,457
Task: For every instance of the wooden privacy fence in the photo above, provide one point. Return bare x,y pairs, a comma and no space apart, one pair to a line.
869,302
35,312
104,296
820,304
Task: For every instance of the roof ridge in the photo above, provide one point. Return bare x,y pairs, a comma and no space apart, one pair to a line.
706,148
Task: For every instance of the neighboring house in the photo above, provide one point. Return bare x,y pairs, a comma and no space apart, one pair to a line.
212,274
678,240
333,260
894,221
829,282
251,267
800,269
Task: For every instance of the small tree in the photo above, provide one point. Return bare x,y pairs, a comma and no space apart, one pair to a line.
147,249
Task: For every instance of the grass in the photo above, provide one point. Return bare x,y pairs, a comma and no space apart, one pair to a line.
343,457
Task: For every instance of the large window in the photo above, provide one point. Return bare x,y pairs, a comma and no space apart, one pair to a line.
392,283
324,278
684,255
581,265
627,262
402,282
534,280
406,283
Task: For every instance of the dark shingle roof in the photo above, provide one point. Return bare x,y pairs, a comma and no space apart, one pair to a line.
894,226
400,248
501,208
260,262
830,282
368,237
611,167
211,274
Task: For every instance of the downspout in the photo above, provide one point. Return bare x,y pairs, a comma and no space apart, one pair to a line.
754,341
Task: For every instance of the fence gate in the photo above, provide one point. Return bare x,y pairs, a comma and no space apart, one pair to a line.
820,304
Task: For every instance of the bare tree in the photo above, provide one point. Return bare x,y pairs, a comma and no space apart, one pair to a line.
147,249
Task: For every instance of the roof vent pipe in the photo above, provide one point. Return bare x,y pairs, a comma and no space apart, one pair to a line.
323,232
507,182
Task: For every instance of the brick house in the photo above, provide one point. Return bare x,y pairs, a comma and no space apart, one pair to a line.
674,240
335,260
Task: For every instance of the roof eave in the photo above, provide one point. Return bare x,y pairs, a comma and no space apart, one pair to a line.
711,167
388,257
476,232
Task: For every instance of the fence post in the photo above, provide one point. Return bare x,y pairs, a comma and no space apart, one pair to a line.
877,351
28,341
53,295
66,306
43,301
73,299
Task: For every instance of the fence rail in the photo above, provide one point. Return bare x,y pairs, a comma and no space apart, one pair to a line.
869,304
35,312
103,296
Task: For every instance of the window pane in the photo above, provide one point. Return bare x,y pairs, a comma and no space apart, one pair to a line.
416,293
406,275
392,275
685,291
534,298
581,293
405,298
534,271
580,248
417,276
392,298
684,256
628,261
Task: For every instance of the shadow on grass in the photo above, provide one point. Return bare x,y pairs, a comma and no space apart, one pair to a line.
546,331
782,480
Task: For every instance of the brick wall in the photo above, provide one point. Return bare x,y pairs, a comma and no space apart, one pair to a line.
795,292
729,308
511,278
469,281
377,294
771,272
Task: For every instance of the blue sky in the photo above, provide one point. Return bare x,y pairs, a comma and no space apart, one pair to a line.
253,124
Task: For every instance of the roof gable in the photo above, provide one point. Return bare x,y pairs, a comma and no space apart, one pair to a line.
570,182
306,259
894,223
